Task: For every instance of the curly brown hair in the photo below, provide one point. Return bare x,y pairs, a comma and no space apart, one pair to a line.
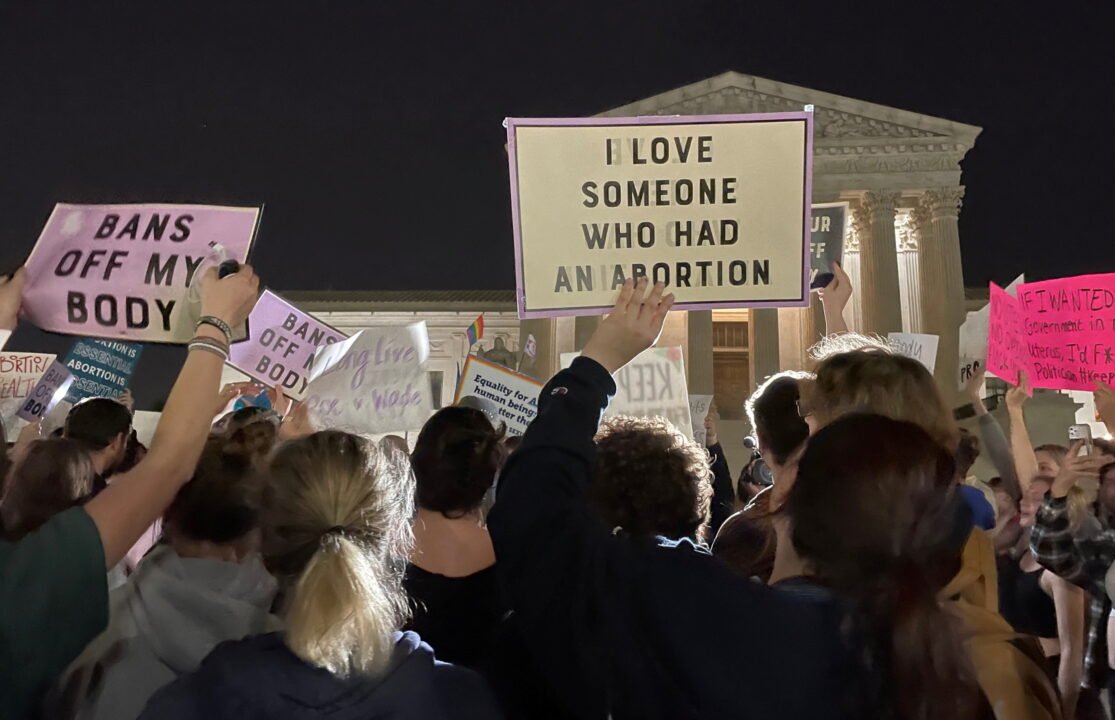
651,480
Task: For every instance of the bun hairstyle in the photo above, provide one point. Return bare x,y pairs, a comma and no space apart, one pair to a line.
53,475
336,525
876,527
456,459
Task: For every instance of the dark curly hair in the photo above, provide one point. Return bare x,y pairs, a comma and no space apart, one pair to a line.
651,480
455,460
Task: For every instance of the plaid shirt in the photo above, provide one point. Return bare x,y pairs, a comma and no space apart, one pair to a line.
1082,562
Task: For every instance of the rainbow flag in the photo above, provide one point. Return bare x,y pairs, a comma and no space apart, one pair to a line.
475,331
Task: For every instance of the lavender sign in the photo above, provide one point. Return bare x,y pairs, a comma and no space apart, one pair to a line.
282,341
50,390
374,382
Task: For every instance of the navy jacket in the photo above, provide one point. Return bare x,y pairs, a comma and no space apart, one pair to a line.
625,629
261,678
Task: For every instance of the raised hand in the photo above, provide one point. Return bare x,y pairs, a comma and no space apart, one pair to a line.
834,298
11,290
1104,397
633,325
1016,396
127,400
712,421
229,298
972,391
1075,467
297,423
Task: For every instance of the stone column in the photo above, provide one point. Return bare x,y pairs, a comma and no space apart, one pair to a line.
878,257
699,365
763,344
942,278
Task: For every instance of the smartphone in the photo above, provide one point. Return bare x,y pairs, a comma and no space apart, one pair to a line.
1081,432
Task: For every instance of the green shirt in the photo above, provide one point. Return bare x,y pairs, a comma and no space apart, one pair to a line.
53,602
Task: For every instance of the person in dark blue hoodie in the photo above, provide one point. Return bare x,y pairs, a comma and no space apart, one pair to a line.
622,626
336,534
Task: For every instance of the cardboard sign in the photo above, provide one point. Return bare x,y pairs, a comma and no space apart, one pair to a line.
122,271
826,242
715,206
281,344
19,373
1004,338
922,348
50,390
1067,329
101,368
651,385
699,406
515,395
373,382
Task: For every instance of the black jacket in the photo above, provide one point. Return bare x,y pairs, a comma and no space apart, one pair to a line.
634,629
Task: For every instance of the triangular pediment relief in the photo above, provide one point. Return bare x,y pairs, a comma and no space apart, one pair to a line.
836,118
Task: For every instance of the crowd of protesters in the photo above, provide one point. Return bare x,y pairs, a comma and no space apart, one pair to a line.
250,565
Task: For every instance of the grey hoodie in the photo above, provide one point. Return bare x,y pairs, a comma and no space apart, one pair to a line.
163,622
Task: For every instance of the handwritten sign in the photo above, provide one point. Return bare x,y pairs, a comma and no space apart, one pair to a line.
101,368
281,344
513,394
373,382
651,385
826,242
716,206
19,373
922,348
50,390
122,271
969,367
1004,338
699,406
1068,331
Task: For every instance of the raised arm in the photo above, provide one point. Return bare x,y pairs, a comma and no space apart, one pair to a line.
1025,462
1104,397
723,497
834,298
994,441
138,497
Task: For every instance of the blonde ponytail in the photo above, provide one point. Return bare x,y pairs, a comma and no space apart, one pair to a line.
336,531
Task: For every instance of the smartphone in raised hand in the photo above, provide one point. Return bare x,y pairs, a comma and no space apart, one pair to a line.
1081,432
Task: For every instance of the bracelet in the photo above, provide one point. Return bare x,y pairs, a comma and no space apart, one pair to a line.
209,345
217,323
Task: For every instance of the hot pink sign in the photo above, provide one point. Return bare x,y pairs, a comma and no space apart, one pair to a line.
123,271
282,341
1004,339
1068,331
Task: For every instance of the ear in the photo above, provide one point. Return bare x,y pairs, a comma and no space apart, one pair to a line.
120,442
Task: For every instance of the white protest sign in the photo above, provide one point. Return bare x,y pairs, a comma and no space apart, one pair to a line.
716,206
968,368
514,395
373,382
973,337
651,385
49,392
922,348
699,406
144,423
19,373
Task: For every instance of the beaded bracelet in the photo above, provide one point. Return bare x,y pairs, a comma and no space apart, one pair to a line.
209,345
217,323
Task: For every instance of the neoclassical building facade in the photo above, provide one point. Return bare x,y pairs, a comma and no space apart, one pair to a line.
900,173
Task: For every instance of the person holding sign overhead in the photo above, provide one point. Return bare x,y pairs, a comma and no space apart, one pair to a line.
53,591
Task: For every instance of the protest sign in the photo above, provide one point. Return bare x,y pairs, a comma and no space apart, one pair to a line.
699,406
144,423
651,385
101,368
373,382
922,348
19,373
1004,339
1067,331
515,395
826,242
122,271
281,344
973,338
47,393
968,368
715,206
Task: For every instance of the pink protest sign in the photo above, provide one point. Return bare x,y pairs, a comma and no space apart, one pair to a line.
1004,340
123,271
1068,331
282,341
50,390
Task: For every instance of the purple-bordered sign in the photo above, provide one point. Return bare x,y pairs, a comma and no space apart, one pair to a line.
718,206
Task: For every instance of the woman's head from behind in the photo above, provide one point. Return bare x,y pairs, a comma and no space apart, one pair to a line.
877,526
456,459
51,476
872,379
336,533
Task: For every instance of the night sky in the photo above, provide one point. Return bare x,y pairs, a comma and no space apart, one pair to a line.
372,130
